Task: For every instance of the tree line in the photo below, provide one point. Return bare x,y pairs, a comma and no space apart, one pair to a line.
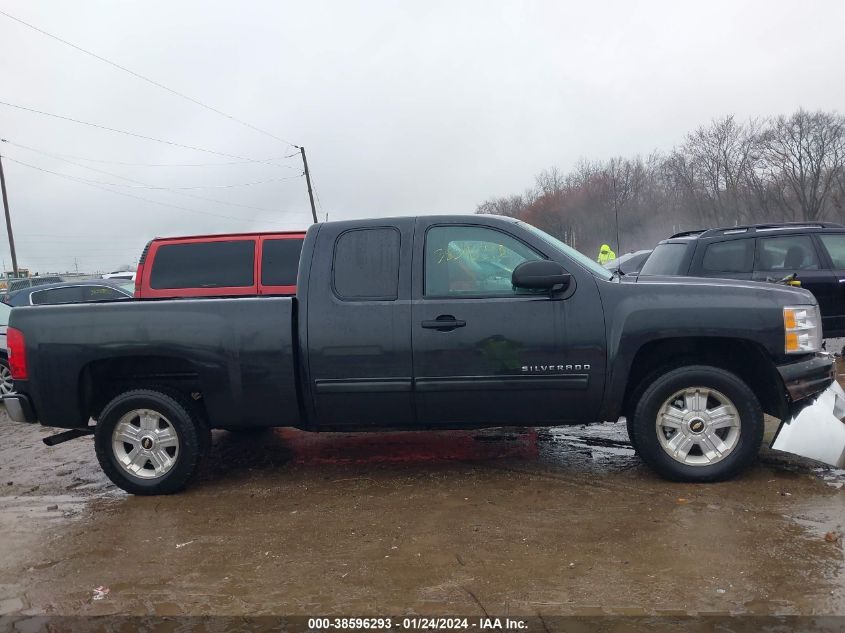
726,173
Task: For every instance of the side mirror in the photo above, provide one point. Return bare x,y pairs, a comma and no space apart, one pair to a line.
542,274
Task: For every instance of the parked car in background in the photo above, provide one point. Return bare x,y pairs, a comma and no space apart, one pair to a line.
629,263
13,285
814,252
6,384
72,292
232,265
120,274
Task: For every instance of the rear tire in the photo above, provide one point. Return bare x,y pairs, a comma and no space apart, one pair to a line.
697,424
149,442
7,385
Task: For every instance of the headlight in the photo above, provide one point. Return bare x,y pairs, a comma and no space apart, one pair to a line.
802,326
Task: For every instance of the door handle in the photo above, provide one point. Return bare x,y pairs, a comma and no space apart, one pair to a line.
443,323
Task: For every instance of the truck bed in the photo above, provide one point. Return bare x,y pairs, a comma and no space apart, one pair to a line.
236,356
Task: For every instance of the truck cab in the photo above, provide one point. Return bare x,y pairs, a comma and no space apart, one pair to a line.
423,313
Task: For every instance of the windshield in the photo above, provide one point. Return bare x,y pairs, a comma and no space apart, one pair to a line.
594,267
665,259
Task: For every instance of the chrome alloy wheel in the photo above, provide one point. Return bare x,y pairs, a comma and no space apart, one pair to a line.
7,385
698,426
145,444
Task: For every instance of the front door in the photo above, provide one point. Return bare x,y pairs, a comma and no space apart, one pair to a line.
488,354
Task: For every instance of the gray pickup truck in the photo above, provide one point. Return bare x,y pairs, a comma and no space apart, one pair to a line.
433,323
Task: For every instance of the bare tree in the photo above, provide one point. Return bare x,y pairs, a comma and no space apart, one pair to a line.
510,206
806,151
724,173
550,181
623,179
714,165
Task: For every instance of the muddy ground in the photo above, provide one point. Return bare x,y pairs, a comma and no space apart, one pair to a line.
566,521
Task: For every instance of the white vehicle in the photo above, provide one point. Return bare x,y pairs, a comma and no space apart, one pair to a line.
120,274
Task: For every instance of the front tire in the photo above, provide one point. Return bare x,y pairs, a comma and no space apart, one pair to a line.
149,442
697,424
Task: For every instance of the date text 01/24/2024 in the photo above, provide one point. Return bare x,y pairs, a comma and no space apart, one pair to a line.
417,623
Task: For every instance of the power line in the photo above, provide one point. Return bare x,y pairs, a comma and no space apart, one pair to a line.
148,80
126,164
138,182
143,186
134,134
121,193
175,189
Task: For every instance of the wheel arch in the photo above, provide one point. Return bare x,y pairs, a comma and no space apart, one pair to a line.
102,380
746,359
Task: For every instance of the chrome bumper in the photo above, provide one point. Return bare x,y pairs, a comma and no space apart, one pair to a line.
816,430
19,408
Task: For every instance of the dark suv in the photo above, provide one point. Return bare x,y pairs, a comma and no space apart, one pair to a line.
814,252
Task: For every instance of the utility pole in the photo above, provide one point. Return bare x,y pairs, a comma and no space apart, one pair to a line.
308,181
616,213
9,219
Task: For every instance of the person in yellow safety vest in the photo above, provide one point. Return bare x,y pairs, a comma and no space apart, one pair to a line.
605,254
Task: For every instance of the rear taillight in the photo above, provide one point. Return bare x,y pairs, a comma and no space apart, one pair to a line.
17,354
138,274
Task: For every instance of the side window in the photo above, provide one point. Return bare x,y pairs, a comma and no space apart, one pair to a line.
834,244
71,294
472,261
101,293
734,256
280,261
204,265
786,253
366,264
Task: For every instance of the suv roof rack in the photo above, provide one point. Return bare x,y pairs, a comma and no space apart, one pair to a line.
753,228
688,233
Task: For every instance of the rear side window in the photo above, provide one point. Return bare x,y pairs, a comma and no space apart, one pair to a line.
204,265
366,264
101,293
665,259
71,294
280,262
786,253
834,243
734,256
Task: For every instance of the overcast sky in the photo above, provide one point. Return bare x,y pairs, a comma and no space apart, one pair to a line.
403,107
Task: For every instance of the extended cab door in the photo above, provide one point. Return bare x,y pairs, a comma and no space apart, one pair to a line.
488,354
359,324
